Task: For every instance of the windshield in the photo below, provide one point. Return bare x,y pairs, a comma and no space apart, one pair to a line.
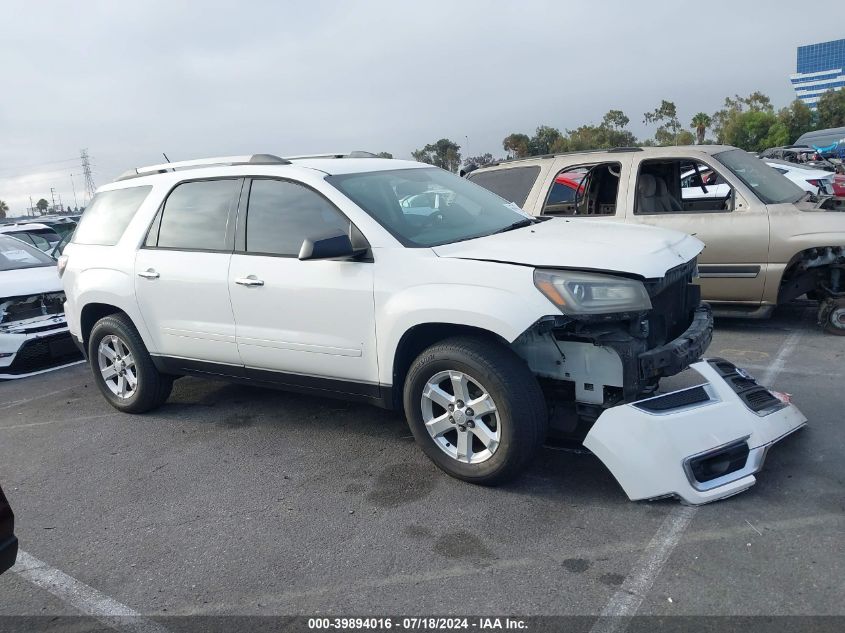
769,185
429,207
15,254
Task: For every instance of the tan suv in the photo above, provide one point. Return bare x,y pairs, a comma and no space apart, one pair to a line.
768,241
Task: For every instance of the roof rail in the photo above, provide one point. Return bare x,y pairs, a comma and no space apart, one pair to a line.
358,153
249,159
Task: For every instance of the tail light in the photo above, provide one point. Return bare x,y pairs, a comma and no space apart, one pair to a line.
814,182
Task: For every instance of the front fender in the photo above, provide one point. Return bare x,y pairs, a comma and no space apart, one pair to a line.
506,310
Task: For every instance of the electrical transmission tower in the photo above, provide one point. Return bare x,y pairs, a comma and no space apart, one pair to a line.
90,187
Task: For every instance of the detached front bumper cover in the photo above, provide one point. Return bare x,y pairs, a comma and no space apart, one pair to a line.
699,444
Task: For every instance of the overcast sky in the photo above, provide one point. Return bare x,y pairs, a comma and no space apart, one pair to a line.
130,80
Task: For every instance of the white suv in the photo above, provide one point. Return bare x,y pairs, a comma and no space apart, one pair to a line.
491,329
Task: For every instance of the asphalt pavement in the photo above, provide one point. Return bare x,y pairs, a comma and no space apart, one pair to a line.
237,500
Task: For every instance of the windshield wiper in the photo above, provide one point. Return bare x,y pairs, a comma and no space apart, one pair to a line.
516,225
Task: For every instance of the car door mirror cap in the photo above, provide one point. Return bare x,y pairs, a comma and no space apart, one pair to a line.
337,246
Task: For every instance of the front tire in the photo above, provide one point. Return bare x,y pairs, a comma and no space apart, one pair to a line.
123,368
832,316
475,409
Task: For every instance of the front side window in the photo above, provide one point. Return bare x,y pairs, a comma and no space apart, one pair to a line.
681,185
15,254
108,214
281,214
424,207
767,184
196,214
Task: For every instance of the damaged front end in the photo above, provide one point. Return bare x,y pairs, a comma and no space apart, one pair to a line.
33,335
600,374
698,444
597,361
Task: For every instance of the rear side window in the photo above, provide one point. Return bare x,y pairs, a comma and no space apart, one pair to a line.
511,184
108,214
281,214
195,216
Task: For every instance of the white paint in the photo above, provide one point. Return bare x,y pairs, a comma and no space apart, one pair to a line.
15,403
624,604
626,601
779,362
80,419
82,597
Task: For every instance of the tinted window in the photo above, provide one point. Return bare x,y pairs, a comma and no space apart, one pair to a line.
195,215
511,184
282,214
108,215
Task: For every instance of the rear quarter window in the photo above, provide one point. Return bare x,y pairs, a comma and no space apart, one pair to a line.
511,184
108,214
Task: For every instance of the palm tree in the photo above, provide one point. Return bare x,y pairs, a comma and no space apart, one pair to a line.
3,208
700,123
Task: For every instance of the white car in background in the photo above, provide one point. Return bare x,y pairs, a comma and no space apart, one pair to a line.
816,181
34,335
703,183
39,235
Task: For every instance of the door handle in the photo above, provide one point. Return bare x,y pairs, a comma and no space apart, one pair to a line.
249,281
149,274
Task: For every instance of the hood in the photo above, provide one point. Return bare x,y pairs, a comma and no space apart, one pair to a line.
29,281
583,244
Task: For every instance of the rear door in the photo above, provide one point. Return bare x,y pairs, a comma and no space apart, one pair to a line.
591,190
305,323
181,273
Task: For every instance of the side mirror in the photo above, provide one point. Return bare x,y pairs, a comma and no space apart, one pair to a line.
333,247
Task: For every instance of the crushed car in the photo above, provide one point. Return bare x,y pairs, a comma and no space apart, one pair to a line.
34,336
768,240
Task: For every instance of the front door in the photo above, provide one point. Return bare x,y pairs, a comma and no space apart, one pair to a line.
307,323
735,233
181,274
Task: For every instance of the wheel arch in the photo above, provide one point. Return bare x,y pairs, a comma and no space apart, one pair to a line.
93,312
421,336
801,273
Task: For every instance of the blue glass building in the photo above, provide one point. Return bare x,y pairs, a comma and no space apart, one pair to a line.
821,67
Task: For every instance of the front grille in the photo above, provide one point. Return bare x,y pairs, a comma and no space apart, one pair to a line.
674,300
757,398
44,353
675,400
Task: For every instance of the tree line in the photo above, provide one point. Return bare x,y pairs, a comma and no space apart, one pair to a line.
750,123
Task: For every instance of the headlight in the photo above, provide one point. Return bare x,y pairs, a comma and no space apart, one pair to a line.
588,293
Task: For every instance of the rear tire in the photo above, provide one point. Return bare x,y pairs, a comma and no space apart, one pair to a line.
122,367
491,443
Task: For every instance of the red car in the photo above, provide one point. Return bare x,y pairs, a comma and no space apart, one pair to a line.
839,185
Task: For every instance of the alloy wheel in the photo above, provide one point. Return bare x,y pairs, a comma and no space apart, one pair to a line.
461,417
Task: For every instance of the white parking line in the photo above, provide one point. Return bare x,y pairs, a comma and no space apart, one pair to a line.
84,418
82,597
624,604
15,403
